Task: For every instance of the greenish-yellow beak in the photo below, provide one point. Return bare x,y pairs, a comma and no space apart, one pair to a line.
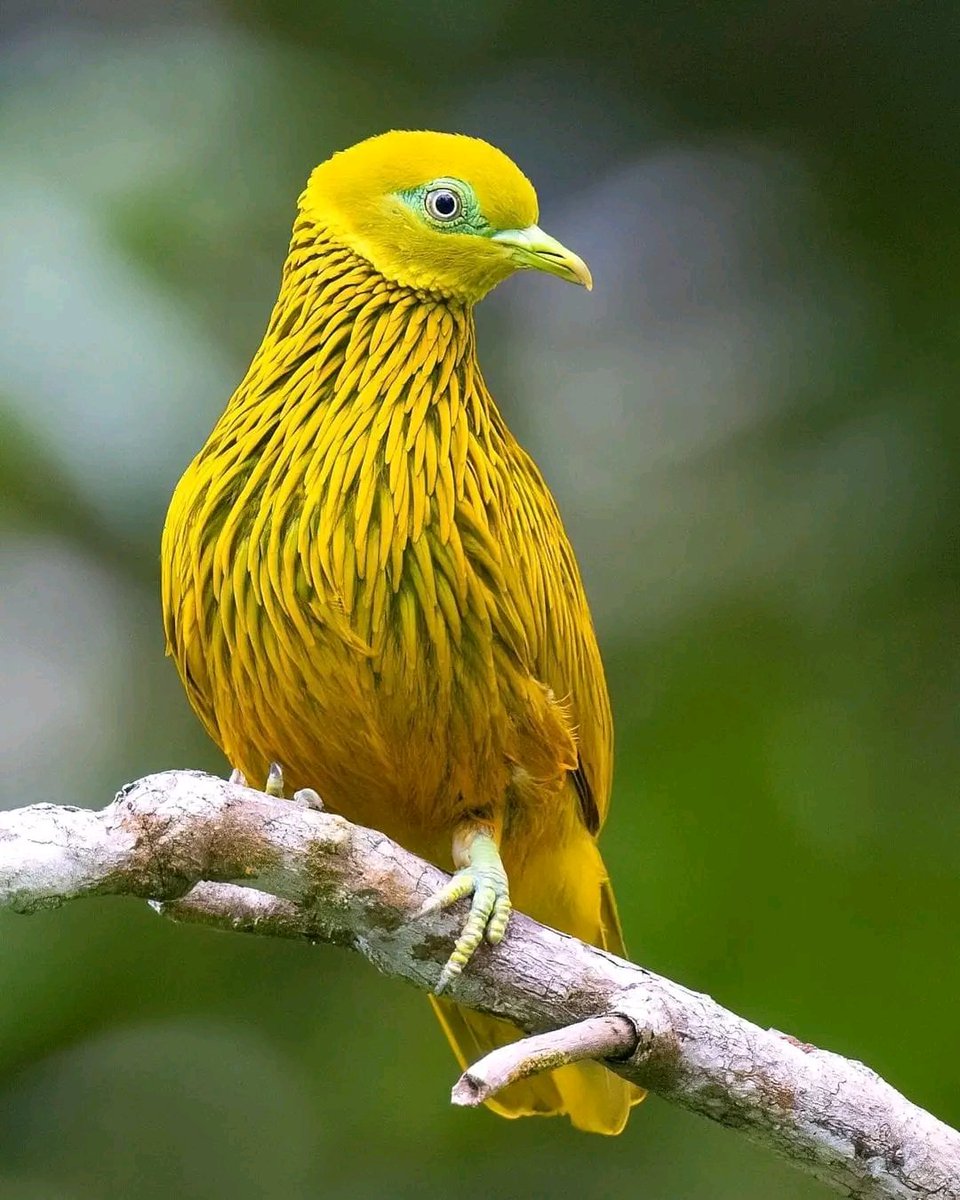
533,248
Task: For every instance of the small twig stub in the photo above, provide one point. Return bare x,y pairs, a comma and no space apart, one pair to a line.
605,1037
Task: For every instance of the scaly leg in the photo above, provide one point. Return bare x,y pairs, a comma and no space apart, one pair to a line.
480,874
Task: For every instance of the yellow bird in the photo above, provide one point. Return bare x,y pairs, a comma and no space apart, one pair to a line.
366,579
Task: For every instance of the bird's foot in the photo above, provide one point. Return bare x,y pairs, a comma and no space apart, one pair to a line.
304,797
483,877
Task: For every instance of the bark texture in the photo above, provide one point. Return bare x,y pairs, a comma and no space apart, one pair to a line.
183,840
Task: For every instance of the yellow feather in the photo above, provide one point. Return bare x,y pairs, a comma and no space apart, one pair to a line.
448,606
419,451
395,438
424,560
386,527
418,504
430,459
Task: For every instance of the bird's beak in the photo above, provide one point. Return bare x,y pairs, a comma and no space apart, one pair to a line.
533,248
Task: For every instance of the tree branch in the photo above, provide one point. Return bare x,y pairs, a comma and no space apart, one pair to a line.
182,839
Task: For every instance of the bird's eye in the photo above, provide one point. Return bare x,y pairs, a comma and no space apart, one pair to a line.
443,204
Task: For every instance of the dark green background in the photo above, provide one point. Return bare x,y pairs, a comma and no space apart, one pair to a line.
751,427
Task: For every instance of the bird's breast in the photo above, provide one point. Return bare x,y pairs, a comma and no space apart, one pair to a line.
362,627
347,590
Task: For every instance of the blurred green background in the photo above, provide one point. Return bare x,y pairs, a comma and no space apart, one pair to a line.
751,427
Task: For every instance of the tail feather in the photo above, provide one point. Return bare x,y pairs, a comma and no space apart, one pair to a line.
592,1097
611,931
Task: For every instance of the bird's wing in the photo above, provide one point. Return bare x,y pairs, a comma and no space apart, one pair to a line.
182,606
562,643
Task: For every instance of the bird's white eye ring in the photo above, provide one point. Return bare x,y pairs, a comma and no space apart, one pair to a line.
443,204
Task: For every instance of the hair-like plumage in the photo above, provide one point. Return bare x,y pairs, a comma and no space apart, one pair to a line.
366,578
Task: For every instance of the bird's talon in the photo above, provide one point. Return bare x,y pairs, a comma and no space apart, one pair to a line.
497,926
308,798
459,886
274,786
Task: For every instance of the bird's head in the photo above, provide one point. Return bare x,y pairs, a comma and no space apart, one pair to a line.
437,211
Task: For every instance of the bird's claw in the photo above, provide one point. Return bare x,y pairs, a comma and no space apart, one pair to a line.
488,916
303,797
308,798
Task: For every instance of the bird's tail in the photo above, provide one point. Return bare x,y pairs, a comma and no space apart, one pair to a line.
592,1097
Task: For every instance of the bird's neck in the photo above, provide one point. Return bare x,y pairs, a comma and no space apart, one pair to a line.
342,335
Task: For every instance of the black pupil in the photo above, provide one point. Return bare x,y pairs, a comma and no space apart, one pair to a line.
445,203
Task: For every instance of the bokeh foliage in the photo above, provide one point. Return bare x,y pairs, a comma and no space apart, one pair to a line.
751,428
